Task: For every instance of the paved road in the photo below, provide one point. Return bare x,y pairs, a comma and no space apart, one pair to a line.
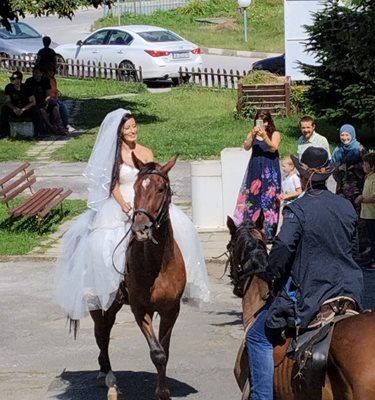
65,31
39,360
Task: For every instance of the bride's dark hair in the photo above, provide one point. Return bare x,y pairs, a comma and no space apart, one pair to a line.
118,157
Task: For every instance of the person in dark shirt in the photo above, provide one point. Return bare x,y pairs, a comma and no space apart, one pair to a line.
311,261
46,57
19,104
40,87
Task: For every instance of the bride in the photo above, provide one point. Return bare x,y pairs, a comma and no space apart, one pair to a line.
86,278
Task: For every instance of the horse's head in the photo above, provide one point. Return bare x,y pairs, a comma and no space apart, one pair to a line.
152,196
247,253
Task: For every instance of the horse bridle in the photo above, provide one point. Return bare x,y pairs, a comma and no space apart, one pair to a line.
162,214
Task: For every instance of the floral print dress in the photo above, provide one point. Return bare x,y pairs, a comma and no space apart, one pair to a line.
260,189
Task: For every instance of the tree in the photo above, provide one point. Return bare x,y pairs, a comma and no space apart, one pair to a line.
13,9
343,83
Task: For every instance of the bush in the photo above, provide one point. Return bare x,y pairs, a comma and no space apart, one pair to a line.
299,101
258,77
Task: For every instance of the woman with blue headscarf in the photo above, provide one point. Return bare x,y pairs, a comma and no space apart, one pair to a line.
349,151
350,176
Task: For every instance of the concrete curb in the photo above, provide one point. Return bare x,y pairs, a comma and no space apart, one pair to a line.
237,53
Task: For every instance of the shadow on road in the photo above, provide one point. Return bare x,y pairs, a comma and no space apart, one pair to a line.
79,385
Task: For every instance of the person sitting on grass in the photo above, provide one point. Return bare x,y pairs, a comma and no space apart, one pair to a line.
19,104
40,87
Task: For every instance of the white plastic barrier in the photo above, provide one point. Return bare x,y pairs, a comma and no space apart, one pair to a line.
215,186
207,194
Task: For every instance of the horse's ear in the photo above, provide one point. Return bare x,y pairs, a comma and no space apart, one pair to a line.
136,161
231,225
169,165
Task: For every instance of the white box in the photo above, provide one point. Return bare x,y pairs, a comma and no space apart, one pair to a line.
24,129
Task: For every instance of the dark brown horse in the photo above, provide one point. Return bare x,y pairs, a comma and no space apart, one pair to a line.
350,373
155,275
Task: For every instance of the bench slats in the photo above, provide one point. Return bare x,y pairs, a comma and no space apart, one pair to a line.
39,204
24,177
19,190
36,202
53,203
14,173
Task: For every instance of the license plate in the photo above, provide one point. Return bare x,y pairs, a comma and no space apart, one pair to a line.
179,56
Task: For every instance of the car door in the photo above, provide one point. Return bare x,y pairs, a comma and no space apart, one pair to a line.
93,47
118,47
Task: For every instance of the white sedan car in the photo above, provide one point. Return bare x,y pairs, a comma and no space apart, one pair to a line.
160,52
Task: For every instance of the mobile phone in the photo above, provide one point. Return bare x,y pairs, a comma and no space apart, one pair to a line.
259,123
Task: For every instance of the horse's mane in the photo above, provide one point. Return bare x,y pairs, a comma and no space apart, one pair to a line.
248,255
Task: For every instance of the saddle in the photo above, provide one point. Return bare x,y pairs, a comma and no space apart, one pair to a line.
308,348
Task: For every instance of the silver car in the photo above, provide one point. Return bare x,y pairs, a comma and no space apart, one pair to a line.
22,39
160,52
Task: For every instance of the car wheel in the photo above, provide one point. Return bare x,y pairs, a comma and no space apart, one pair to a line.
127,72
60,65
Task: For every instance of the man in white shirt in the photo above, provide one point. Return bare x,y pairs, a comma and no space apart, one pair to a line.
310,137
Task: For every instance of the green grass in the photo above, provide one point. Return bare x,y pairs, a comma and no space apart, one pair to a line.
265,24
21,235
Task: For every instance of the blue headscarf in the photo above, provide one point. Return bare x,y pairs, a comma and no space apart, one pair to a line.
347,153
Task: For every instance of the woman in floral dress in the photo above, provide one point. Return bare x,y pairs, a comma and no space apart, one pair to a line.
260,190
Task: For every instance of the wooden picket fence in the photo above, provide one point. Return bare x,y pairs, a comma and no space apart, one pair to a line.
208,77
76,69
274,98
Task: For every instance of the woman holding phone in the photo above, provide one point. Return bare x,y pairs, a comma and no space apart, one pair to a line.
259,195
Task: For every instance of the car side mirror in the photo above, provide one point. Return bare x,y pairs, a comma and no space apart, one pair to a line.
79,43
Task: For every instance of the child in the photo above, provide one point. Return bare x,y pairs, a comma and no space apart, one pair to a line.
291,184
367,202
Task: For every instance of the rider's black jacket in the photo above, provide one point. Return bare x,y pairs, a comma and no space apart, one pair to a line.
312,254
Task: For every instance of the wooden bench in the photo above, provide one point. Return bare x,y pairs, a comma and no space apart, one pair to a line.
39,203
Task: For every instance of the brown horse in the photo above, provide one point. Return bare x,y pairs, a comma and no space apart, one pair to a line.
350,373
155,275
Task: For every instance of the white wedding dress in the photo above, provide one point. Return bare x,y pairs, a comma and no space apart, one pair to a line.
85,276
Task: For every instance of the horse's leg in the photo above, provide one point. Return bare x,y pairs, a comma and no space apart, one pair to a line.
157,353
167,322
103,323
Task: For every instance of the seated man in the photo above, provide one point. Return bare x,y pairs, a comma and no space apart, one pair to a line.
19,104
310,262
40,87
53,96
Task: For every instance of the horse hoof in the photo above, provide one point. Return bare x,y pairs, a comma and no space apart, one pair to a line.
114,393
110,379
162,394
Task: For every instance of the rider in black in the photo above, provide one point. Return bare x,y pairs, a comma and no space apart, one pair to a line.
310,262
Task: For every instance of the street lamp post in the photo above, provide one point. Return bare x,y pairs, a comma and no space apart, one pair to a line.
244,4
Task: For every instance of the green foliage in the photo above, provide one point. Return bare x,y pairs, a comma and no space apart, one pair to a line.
343,85
299,100
10,9
259,76
23,234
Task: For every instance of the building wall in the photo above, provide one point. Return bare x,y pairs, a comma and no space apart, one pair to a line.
298,13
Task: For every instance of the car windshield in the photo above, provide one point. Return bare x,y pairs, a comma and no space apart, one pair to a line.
159,36
19,31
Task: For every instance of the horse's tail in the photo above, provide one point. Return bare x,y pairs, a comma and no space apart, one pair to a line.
73,326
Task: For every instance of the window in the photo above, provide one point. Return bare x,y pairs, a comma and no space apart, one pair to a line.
97,38
159,36
119,38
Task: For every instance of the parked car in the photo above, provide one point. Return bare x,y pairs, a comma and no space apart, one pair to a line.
158,51
22,39
276,65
